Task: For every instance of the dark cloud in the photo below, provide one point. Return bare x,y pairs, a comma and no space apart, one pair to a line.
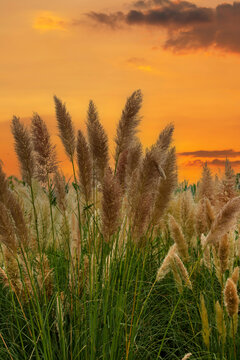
215,162
188,26
112,19
136,60
229,153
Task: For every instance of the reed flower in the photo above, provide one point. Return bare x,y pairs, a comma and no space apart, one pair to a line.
224,220
127,126
111,204
166,186
84,166
182,270
231,297
223,253
205,323
45,152
177,235
60,190
24,149
166,265
235,275
98,143
206,186
187,356
66,128
220,322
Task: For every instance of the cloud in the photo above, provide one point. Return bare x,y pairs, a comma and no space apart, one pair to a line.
137,60
47,21
112,19
229,153
139,63
215,162
188,26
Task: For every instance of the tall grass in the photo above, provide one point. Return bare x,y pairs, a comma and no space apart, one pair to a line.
122,263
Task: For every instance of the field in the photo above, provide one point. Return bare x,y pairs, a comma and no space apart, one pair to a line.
120,261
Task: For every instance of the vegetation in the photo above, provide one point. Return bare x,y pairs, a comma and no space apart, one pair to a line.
119,262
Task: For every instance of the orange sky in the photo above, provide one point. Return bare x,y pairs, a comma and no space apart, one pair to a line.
54,47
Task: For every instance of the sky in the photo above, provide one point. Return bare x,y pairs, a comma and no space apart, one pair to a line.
183,55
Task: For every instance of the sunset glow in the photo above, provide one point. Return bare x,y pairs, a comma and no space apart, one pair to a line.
187,66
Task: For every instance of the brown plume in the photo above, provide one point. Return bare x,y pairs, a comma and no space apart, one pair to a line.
98,142
24,149
111,204
66,129
127,126
224,220
166,186
231,297
45,152
84,166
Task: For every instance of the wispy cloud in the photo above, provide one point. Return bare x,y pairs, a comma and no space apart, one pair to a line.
140,63
188,26
215,162
229,153
47,21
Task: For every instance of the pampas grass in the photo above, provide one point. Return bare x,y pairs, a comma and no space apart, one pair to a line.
24,149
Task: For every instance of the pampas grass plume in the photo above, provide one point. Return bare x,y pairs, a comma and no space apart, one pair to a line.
224,220
231,297
84,166
24,149
166,265
205,323
235,275
177,235
65,127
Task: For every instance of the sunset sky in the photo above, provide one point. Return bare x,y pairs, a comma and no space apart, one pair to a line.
185,56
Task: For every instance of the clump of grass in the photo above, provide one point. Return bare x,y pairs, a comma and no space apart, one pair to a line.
141,267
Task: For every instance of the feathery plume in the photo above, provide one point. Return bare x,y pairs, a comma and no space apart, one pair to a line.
182,269
220,322
134,157
187,215
205,324
7,228
187,356
84,166
60,192
45,152
165,137
142,191
128,123
12,204
166,265
206,252
122,169
177,235
227,186
66,129
202,225
235,275
210,214
111,204
223,253
92,113
166,186
206,186
24,149
231,297
224,220
98,143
